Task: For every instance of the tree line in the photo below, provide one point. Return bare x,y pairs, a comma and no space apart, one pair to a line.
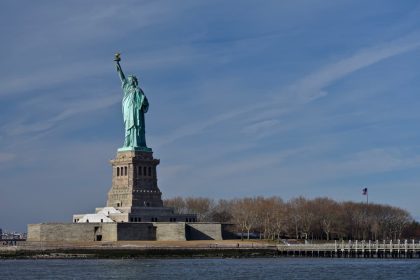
302,218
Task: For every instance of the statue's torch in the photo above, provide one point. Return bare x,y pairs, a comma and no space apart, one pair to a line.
117,57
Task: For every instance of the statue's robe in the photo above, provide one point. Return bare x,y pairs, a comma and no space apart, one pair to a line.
134,105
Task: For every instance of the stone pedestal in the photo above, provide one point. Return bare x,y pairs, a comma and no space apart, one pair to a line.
134,181
135,192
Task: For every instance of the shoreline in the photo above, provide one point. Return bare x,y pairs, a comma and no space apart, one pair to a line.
140,254
139,249
200,249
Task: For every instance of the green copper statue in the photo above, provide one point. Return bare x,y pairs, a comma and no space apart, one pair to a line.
134,106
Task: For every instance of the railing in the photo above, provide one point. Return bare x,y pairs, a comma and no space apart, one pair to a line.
357,246
379,249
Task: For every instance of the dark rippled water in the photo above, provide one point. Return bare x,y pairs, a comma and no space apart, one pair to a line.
278,268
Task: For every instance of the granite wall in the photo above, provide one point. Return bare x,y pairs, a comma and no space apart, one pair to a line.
204,231
79,232
170,231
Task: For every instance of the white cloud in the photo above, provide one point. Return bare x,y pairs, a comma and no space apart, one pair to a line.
258,126
313,86
307,89
26,126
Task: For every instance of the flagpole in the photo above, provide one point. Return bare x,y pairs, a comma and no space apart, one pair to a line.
367,197
366,192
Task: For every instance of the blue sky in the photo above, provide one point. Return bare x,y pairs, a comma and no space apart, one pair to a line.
287,98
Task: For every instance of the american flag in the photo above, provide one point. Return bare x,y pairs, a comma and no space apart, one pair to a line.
364,191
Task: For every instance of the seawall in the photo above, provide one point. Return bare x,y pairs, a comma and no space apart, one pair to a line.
139,249
204,249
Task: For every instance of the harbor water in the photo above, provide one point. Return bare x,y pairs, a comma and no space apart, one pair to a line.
249,268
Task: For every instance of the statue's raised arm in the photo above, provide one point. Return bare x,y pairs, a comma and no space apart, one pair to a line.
117,59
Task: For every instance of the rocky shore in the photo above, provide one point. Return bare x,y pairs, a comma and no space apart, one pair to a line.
139,249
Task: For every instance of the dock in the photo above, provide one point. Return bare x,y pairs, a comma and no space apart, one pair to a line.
354,249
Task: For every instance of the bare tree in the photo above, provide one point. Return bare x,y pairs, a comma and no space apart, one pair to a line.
177,203
295,216
244,214
201,206
328,214
222,212
321,218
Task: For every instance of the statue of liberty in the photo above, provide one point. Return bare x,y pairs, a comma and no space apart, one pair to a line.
134,106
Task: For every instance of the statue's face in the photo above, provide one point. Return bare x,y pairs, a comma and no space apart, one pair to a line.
132,80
